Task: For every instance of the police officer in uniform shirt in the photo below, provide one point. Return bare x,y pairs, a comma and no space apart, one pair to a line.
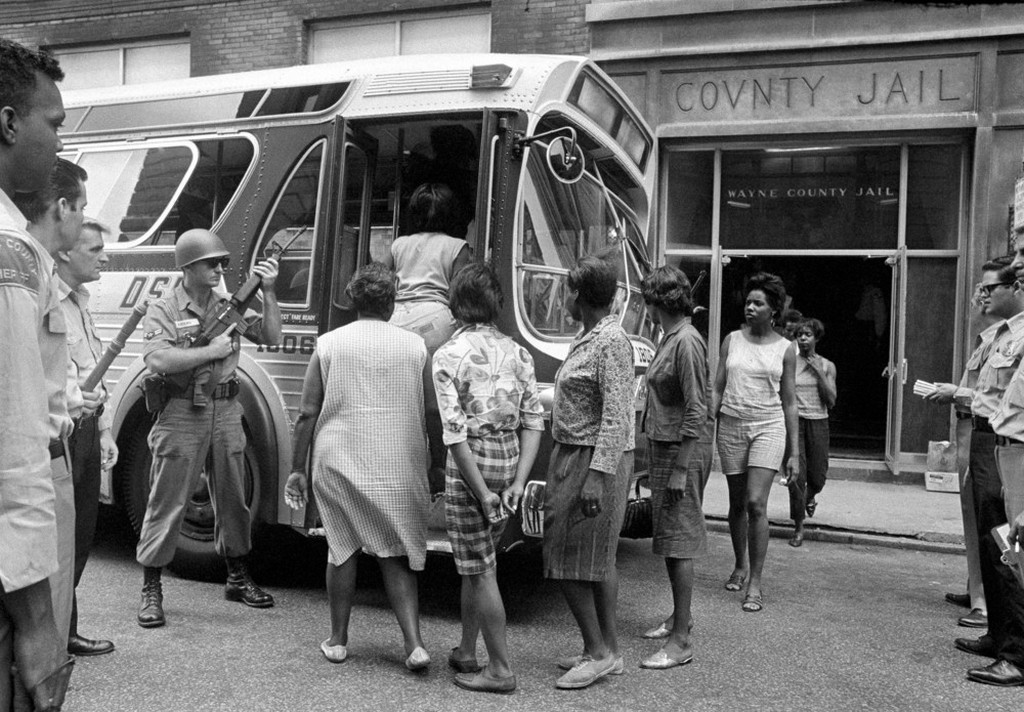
91,444
192,424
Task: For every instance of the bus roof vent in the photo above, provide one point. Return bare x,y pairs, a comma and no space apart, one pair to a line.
416,82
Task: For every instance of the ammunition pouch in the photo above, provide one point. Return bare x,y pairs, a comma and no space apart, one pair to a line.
155,390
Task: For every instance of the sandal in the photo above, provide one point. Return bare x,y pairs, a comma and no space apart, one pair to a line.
753,603
812,505
797,540
735,582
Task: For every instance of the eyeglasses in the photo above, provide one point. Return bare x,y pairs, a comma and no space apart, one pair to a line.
987,289
214,262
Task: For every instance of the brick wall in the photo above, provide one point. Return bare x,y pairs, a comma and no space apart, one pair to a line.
237,35
539,27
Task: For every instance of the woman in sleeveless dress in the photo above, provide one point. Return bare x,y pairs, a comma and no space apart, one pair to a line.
754,400
362,409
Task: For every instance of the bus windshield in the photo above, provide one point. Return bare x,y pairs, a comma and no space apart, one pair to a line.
562,222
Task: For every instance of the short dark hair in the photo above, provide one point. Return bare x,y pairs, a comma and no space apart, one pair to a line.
792,316
372,290
433,208
1003,267
813,325
18,67
596,281
475,295
65,182
773,287
668,287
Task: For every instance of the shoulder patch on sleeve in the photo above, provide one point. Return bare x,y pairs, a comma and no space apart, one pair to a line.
19,266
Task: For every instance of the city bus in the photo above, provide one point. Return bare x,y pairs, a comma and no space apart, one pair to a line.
549,158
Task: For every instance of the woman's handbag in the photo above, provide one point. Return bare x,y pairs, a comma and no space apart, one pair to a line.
639,521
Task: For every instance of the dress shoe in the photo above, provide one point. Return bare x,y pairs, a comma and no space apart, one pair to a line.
151,608
77,645
241,587
975,619
334,653
983,646
418,659
571,661
482,682
959,599
463,665
661,660
1001,673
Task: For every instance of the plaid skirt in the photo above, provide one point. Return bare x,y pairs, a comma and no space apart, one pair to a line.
577,547
679,530
472,535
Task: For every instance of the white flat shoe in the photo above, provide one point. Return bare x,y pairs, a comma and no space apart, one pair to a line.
659,631
418,659
334,653
663,661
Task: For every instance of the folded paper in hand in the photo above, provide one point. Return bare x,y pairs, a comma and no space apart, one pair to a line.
924,388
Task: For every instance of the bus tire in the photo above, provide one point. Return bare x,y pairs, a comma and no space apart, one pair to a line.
195,557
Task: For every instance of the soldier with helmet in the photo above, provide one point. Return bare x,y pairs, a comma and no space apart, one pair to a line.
200,414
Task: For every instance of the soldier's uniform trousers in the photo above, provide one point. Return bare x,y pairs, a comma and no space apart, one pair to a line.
180,440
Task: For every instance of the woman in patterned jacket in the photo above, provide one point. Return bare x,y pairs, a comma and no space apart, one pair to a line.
486,394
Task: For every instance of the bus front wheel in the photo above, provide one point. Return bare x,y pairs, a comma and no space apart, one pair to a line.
195,557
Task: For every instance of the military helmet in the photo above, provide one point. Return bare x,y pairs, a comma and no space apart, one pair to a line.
197,244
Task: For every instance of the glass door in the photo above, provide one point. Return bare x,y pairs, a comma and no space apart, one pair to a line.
896,369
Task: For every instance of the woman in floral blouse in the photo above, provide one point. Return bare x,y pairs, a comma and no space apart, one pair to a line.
592,422
486,393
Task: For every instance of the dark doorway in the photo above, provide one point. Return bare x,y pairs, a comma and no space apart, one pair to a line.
851,296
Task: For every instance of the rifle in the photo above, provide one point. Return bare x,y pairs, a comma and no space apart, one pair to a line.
232,314
118,343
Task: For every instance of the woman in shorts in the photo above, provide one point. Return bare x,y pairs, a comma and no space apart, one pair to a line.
492,416
754,400
675,420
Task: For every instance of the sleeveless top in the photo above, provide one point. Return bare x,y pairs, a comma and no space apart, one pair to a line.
753,375
423,265
808,397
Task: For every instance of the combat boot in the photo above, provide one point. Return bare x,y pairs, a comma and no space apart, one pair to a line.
48,695
151,609
241,587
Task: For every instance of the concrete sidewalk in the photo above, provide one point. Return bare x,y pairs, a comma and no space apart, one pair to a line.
851,511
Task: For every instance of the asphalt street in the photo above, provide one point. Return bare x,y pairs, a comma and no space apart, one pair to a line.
845,627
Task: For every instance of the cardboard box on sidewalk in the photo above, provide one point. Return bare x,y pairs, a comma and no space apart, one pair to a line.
940,474
941,481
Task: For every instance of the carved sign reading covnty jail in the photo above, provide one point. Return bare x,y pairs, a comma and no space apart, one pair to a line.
939,85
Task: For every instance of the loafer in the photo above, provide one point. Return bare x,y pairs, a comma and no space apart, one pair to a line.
586,673
959,599
461,664
1001,673
482,682
568,663
663,661
418,659
975,619
77,645
983,646
334,653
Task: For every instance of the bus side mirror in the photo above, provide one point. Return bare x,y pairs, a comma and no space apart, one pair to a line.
565,160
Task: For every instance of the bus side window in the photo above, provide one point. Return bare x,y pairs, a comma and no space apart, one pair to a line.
294,211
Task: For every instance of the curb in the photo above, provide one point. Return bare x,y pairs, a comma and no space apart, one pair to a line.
914,542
